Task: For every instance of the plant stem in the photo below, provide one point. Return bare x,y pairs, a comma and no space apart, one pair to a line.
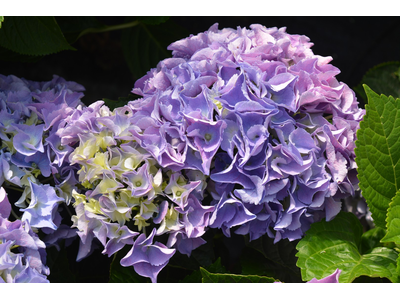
68,211
14,188
15,215
109,28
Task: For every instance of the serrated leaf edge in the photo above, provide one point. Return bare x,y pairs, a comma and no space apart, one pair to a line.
204,273
391,205
351,275
369,91
46,53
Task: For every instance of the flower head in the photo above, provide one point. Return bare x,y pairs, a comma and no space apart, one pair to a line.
264,117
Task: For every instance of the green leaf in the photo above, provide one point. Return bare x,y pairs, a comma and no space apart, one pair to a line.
371,239
196,276
122,101
277,260
398,265
152,20
33,36
383,79
335,244
393,221
145,45
73,26
208,277
1,20
378,153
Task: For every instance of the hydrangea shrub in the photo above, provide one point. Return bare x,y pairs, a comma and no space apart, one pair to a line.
244,130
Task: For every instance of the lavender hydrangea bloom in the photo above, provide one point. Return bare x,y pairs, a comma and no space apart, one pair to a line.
228,213
5,206
286,126
147,258
254,111
32,112
119,237
27,264
124,185
43,206
28,140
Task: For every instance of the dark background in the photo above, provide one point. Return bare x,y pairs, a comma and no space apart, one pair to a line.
355,43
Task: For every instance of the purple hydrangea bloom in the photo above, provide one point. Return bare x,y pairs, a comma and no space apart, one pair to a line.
32,112
254,111
123,184
148,259
228,213
27,262
28,140
31,151
119,236
43,206
282,144
5,206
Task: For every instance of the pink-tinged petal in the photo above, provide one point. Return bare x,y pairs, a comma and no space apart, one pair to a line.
333,278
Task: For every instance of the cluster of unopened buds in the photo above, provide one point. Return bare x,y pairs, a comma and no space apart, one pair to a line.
243,130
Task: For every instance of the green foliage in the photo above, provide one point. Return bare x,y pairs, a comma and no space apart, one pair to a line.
393,221
383,79
398,265
144,39
372,239
208,277
33,36
266,258
73,27
122,101
336,244
1,20
197,277
378,153
146,44
152,20
28,39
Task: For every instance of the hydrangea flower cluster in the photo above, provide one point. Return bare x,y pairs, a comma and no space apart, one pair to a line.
240,129
244,130
263,117
31,154
125,193
30,114
28,264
